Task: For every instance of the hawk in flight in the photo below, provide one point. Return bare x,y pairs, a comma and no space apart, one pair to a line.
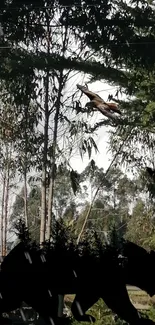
107,109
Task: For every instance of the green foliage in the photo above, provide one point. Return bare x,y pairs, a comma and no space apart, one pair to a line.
33,201
111,207
66,185
102,314
121,203
150,313
118,31
139,123
22,231
119,59
120,38
63,205
143,233
18,206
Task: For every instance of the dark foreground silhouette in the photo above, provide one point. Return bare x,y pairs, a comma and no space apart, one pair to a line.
38,276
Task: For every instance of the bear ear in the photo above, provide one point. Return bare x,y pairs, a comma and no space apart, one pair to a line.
152,254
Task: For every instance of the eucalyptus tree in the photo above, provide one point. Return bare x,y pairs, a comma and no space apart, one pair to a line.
43,44
46,115
7,171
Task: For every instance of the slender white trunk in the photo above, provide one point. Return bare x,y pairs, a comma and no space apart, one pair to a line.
6,198
53,156
25,199
2,213
44,166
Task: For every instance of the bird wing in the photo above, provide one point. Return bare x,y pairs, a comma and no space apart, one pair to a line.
89,93
109,107
105,111
113,107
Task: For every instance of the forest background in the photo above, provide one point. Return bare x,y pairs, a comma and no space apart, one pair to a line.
46,47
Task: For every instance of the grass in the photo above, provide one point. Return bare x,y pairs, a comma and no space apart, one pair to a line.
139,298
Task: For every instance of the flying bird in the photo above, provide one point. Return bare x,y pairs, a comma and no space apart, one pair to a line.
107,109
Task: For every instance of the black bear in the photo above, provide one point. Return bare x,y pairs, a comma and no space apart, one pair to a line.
39,276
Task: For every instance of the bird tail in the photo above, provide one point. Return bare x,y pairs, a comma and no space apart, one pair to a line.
114,107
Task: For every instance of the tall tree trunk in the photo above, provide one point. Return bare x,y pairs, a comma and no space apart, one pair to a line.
43,206
54,144
2,213
47,114
6,198
114,197
61,81
25,198
44,166
6,214
25,167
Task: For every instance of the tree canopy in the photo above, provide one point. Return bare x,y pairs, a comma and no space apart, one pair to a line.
43,121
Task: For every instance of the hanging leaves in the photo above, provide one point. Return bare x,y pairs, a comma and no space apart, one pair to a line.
75,179
88,145
92,164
